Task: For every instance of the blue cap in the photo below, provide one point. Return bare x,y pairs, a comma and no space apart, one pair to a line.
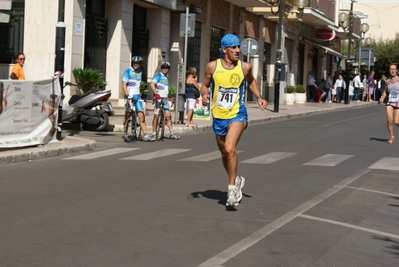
227,41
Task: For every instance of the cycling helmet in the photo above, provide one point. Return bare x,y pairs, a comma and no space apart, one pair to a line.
165,65
138,59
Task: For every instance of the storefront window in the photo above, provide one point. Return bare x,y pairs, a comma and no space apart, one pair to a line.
216,35
194,49
12,33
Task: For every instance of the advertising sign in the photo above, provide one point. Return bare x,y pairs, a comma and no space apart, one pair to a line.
324,34
28,112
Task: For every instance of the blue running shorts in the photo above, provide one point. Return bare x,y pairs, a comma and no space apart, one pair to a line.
220,126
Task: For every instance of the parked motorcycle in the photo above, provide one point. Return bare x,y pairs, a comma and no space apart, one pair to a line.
91,109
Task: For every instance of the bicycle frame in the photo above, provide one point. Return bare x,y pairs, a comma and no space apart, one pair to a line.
132,124
161,121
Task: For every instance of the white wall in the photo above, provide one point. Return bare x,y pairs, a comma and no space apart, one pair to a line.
120,23
39,38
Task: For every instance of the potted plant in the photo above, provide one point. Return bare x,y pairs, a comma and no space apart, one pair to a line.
172,96
87,79
144,90
300,97
290,95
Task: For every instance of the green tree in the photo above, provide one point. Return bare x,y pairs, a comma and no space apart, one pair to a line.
386,52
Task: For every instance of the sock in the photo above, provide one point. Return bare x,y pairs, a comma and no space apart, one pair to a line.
172,134
231,187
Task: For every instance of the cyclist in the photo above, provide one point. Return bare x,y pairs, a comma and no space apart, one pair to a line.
160,88
131,87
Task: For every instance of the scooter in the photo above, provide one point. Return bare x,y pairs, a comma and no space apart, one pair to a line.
91,109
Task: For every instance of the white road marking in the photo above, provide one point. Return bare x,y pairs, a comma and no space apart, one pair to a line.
373,191
364,229
252,239
103,153
206,157
269,157
156,154
329,160
386,163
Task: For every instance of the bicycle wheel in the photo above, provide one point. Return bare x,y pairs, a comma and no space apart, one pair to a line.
128,129
135,127
160,126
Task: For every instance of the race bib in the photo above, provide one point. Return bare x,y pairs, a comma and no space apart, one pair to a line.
393,96
226,97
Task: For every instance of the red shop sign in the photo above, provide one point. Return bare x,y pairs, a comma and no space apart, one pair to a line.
324,34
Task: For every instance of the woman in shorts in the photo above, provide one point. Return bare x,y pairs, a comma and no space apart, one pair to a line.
192,94
392,106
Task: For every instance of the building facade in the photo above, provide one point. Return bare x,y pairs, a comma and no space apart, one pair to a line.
105,34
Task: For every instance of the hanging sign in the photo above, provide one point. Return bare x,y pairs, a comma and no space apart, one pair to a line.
324,34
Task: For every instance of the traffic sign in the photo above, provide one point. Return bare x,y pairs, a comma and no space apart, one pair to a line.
249,46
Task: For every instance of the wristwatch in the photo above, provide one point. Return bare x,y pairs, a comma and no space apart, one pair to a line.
260,96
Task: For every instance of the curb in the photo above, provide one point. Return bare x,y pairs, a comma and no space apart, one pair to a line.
55,148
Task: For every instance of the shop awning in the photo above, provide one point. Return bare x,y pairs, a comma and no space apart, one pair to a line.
326,49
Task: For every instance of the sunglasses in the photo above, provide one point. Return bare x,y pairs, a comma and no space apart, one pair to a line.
22,58
233,47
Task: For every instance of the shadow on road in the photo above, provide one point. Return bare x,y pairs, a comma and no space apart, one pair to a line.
378,139
220,196
393,244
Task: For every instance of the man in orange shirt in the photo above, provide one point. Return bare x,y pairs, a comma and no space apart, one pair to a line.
17,72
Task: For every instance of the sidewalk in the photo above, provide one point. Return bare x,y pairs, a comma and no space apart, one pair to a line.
73,144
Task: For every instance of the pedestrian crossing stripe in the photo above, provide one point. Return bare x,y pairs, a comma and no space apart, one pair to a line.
102,153
269,157
207,157
386,163
156,154
328,160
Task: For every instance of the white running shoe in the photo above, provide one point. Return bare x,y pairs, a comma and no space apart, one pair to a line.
232,196
175,137
148,138
240,182
234,193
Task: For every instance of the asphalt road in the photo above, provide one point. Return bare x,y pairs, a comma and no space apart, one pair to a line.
321,190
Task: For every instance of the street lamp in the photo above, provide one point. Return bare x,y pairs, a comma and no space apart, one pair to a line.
346,22
301,4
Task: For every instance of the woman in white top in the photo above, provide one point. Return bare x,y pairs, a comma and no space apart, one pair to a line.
392,108
339,86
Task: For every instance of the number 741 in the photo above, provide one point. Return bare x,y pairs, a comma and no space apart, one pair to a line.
227,97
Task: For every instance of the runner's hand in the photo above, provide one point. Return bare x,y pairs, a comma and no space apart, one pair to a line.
205,100
262,103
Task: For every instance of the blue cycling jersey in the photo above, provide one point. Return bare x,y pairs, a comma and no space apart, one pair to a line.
133,80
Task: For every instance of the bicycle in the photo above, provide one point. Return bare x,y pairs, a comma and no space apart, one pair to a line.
132,127
161,121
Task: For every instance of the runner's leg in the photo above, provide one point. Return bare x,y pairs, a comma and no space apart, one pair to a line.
227,146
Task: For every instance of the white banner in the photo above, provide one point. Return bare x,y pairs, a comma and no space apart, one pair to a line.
28,112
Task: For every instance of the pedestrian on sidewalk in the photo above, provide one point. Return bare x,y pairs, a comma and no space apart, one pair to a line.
365,89
356,84
392,106
160,88
370,86
339,86
312,86
131,81
192,94
226,79
17,72
328,88
321,90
